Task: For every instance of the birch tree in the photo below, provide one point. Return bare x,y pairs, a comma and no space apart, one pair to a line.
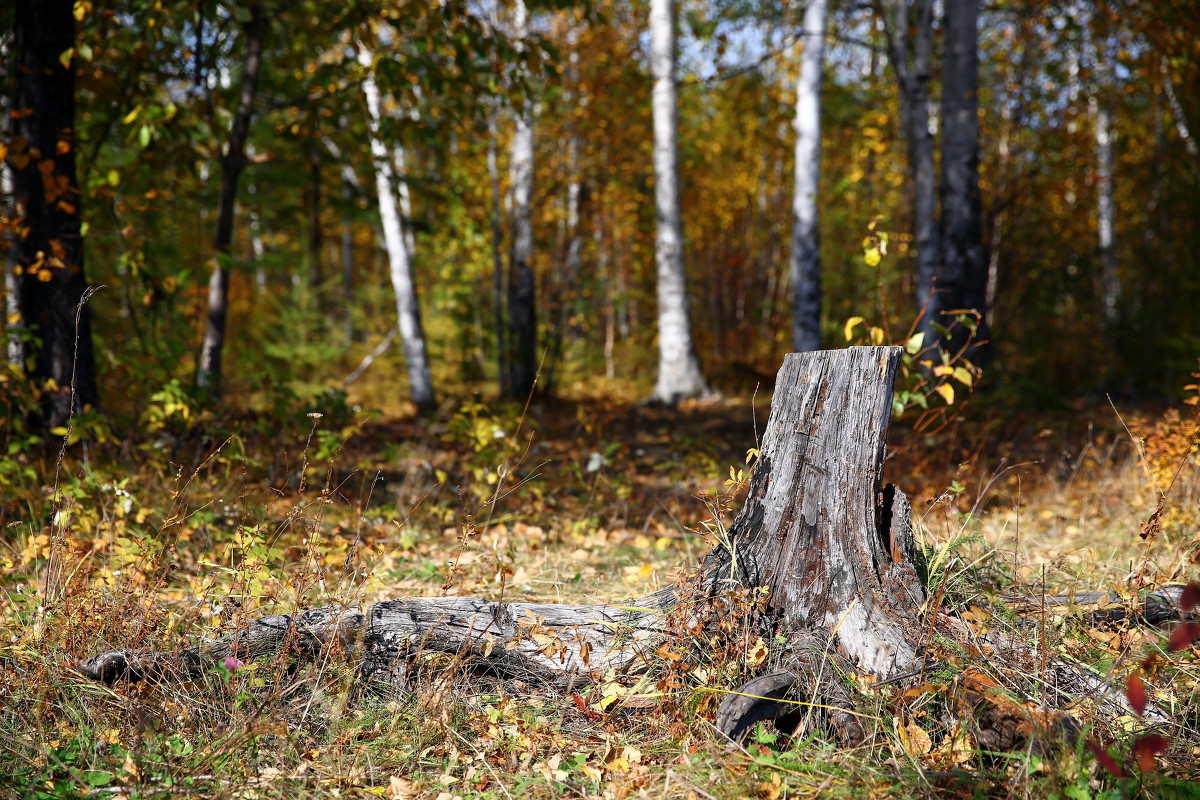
408,311
522,314
1100,111
806,244
679,375
233,162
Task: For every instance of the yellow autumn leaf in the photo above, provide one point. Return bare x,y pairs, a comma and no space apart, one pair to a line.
947,393
850,325
758,653
917,741
962,376
872,257
942,369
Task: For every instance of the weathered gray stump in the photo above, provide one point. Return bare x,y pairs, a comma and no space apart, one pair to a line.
818,529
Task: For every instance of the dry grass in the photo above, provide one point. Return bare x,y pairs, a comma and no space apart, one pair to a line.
583,502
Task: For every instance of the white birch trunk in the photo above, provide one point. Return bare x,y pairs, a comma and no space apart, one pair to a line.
1102,125
806,244
1178,115
522,318
679,374
400,160
14,350
408,311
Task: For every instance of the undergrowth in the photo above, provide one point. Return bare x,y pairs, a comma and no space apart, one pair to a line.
200,522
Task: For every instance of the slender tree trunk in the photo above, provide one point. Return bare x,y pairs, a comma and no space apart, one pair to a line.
314,219
400,159
679,375
51,284
1101,114
497,261
408,309
913,84
233,161
1179,116
806,241
964,256
569,285
348,180
1000,218
522,314
10,255
257,251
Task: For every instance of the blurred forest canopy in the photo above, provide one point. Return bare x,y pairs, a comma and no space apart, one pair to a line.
160,87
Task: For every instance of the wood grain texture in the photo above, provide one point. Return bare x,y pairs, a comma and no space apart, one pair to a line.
813,528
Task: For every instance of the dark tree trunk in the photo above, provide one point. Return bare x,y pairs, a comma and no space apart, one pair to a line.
51,282
964,256
522,328
233,161
912,80
819,531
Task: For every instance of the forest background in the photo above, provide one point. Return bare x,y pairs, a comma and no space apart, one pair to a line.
403,260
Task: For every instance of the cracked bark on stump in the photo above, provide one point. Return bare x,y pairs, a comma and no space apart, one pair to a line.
818,529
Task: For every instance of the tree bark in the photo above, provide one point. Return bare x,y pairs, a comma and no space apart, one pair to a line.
408,310
50,279
913,87
806,241
679,375
1102,123
964,256
502,375
522,312
233,161
14,349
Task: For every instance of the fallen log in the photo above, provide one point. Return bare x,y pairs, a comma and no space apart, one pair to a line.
830,544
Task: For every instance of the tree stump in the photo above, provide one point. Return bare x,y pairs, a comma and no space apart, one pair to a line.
818,529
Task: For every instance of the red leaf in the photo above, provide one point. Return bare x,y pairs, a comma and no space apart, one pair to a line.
1104,759
1135,690
1190,597
1146,748
582,705
1182,637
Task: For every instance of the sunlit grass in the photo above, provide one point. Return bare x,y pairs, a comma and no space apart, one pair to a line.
602,504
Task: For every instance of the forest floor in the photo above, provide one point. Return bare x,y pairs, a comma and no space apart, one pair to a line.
174,534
